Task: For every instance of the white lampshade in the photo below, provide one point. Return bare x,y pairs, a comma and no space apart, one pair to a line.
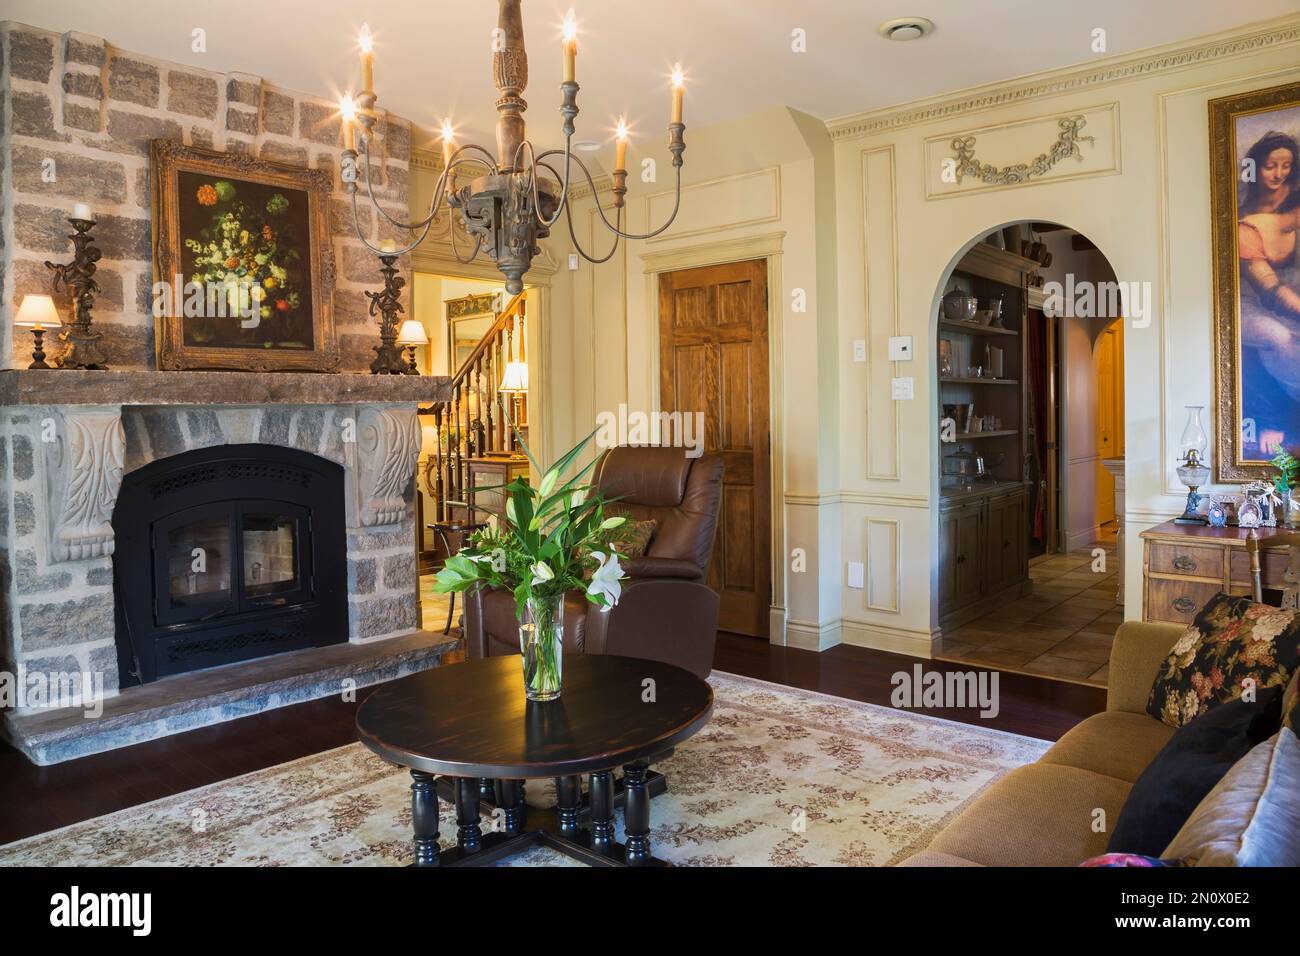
515,378
36,312
412,333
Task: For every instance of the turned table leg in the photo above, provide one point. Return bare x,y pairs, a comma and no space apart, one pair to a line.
468,832
636,816
602,811
510,800
424,818
568,804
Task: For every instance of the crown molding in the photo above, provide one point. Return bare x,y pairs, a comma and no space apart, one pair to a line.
1113,69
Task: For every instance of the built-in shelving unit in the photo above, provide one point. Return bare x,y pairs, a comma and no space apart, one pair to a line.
983,522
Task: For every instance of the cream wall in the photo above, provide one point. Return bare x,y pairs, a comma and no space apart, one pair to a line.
856,212
760,187
1141,194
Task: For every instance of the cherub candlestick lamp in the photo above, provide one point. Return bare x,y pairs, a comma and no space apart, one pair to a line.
82,344
388,306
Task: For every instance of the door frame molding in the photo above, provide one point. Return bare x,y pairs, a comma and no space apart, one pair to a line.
768,247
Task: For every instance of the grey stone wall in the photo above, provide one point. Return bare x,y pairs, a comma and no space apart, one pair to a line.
78,114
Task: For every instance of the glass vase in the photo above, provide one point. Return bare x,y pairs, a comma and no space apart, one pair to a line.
541,642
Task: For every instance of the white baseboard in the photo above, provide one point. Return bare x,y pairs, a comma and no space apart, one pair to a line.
897,640
809,636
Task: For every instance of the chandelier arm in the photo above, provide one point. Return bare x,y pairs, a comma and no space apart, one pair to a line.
356,224
611,226
455,246
564,181
440,190
573,236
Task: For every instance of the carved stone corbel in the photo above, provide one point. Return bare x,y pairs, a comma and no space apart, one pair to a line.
381,463
85,451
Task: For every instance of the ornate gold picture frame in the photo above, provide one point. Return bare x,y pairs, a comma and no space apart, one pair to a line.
1255,209
250,240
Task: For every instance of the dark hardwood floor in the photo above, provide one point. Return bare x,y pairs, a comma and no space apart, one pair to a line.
37,799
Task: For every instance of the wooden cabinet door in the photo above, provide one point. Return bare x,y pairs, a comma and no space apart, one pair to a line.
967,564
948,549
713,355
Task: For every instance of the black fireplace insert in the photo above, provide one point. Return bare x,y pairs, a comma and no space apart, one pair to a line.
226,554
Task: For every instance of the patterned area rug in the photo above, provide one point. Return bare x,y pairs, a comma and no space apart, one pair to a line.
778,777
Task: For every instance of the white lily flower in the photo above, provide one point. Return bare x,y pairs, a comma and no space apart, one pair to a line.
606,581
542,573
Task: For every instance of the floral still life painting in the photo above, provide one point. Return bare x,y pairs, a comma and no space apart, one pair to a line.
243,255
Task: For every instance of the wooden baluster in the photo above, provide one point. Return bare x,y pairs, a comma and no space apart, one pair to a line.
458,436
510,354
439,497
489,395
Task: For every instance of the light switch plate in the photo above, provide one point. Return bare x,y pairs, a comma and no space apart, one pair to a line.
855,574
573,262
902,388
900,348
859,350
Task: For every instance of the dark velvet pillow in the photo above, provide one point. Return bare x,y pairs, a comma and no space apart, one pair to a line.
1187,768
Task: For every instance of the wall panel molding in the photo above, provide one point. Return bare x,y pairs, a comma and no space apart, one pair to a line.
705,205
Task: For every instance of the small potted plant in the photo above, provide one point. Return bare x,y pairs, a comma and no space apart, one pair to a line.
1286,482
555,538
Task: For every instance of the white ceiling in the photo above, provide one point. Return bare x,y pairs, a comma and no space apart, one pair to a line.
433,58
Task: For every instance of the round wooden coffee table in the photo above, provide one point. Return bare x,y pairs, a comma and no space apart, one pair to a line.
471,721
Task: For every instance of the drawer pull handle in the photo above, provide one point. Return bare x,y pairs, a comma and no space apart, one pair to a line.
1185,564
961,558
1184,605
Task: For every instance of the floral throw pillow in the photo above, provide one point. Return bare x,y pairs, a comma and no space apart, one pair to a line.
1232,642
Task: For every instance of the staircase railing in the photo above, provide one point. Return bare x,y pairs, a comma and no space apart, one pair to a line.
472,421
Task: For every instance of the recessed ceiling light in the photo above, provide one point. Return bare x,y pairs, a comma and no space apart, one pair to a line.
587,145
906,28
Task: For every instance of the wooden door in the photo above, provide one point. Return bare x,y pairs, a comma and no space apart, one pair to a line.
1110,414
713,359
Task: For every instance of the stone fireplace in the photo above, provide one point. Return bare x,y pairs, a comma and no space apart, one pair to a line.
158,523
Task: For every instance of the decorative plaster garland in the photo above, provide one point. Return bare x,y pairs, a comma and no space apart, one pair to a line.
1066,146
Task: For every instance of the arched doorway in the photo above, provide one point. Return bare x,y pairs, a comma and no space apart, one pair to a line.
1028,575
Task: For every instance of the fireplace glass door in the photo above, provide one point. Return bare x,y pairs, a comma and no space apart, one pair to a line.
228,558
194,566
274,568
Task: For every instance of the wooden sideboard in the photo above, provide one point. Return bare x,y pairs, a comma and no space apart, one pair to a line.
1183,566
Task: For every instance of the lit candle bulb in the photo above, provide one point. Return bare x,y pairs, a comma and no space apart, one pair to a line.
448,143
348,110
81,211
387,246
366,43
570,48
679,89
620,148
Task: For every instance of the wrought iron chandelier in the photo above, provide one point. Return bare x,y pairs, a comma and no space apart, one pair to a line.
509,206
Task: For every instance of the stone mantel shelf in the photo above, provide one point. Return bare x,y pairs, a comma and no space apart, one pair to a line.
143,387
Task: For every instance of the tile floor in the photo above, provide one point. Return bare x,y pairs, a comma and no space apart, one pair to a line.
1062,629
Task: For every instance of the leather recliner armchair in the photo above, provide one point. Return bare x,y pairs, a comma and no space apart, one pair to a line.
666,611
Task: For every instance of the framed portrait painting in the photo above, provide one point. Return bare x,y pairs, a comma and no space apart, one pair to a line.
242,249
1255,209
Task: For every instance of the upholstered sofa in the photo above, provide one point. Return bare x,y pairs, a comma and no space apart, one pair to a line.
1044,814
